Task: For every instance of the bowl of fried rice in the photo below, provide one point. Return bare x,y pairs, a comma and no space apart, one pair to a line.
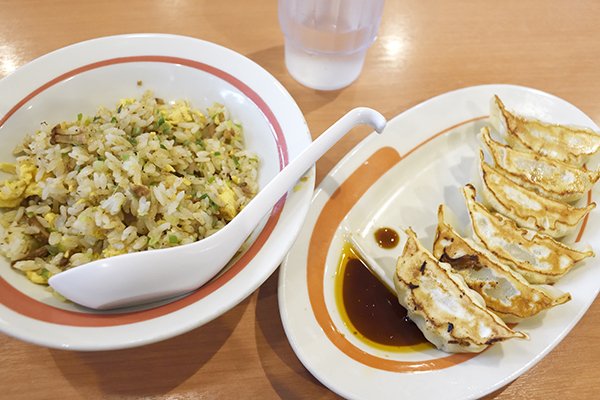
133,143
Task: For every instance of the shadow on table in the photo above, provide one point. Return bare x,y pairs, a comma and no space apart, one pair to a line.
154,369
287,375
272,59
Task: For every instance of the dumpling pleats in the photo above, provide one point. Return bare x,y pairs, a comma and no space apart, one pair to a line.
450,315
549,178
539,258
527,208
562,143
504,291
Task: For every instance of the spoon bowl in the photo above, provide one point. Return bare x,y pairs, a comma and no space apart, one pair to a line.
146,276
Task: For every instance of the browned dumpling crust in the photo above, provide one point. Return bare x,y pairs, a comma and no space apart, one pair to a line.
504,290
547,177
570,145
539,258
527,208
450,315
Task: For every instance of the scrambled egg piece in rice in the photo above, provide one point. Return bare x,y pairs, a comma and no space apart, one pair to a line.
14,191
146,174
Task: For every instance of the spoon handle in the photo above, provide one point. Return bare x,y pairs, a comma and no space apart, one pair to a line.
136,278
267,197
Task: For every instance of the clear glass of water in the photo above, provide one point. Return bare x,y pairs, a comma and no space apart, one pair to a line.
326,41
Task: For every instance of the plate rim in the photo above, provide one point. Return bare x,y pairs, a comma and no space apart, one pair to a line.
336,170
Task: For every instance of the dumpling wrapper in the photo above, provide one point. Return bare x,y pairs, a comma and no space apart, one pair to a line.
547,177
526,207
570,145
504,291
539,258
450,315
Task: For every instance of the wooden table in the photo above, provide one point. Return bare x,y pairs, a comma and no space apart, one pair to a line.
424,48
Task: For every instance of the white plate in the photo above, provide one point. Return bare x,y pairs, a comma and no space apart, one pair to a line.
84,76
397,180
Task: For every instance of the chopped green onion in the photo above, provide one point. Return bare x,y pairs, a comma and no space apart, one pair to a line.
165,128
125,157
113,120
79,116
161,120
205,195
162,146
217,153
211,179
173,239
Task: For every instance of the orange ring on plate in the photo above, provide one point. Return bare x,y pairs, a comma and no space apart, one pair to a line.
330,217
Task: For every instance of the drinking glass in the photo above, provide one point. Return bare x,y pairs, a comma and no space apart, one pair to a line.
326,41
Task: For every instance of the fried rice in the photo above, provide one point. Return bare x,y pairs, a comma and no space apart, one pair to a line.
145,175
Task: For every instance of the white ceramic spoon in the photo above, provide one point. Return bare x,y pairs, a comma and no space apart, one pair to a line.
151,275
370,262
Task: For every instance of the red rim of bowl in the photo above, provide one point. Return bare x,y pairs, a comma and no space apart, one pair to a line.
19,302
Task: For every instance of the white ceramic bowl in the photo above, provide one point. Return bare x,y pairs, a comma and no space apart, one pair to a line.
84,76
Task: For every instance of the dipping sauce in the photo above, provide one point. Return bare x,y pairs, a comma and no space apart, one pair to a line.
371,311
386,238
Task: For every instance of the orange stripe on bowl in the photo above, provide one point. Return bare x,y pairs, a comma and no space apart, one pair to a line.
19,302
25,305
251,94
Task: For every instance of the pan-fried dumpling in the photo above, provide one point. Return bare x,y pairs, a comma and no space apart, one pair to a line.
527,208
539,258
450,315
547,177
504,291
567,144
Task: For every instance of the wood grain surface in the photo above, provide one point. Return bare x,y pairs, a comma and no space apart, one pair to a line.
424,48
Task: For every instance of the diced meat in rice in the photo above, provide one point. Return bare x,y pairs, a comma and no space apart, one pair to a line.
146,174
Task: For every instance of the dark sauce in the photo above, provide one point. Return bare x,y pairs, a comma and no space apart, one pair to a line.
386,238
372,310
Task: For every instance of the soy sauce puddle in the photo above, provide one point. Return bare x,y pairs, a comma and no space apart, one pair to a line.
370,311
386,238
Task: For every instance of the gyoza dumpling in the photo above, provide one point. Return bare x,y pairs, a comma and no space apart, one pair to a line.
549,178
526,207
450,315
567,144
504,291
539,258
